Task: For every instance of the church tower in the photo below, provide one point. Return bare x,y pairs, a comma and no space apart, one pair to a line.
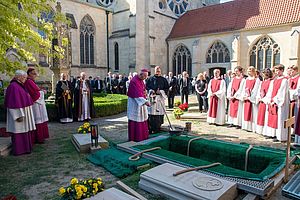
139,29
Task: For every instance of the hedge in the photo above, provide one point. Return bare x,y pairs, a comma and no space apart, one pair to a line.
104,106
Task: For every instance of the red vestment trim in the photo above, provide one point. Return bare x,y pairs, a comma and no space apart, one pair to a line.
234,103
247,104
273,109
215,86
262,106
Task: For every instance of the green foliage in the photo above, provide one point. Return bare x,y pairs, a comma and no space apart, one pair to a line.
18,31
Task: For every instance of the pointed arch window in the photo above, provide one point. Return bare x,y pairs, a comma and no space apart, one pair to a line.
87,37
264,53
218,53
182,60
117,57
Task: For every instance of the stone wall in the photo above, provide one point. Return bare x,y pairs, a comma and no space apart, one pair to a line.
98,15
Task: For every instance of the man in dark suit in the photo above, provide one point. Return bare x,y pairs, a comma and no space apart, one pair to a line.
114,84
121,85
184,84
98,85
172,80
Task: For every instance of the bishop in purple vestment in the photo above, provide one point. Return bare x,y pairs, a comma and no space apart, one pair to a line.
137,112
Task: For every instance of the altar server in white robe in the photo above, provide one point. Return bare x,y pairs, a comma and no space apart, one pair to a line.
277,106
234,95
294,87
262,100
217,95
249,93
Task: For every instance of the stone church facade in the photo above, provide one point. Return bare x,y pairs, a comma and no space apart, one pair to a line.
125,35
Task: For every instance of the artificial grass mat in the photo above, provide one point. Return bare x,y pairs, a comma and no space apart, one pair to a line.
263,163
116,162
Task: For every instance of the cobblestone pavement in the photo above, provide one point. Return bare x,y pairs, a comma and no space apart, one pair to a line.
114,129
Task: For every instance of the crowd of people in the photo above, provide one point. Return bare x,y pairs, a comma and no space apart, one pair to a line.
254,103
249,101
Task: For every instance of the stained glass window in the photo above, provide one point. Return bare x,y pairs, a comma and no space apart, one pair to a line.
218,53
117,56
179,7
182,60
105,3
265,53
87,35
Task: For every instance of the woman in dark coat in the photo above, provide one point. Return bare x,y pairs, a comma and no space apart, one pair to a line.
201,91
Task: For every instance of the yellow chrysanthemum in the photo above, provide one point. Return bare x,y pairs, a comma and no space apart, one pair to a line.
90,182
62,191
99,182
95,185
74,181
99,179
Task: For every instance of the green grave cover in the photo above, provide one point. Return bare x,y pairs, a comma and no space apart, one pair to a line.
116,162
263,163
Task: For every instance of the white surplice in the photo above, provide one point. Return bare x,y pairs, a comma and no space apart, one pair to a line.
39,110
250,125
85,103
137,110
295,95
221,94
28,123
158,106
238,95
282,101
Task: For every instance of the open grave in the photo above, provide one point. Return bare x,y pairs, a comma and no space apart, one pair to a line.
254,169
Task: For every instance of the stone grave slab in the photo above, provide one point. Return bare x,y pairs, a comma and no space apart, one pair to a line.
82,142
187,186
5,146
193,115
112,194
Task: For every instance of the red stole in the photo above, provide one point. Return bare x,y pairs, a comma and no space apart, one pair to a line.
273,109
215,86
247,104
293,82
234,103
261,105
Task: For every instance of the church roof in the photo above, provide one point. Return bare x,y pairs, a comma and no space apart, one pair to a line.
236,15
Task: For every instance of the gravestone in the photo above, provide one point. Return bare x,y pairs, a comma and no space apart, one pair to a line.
112,194
82,142
190,185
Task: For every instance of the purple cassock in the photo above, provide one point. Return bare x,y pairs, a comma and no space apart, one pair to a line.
16,98
137,129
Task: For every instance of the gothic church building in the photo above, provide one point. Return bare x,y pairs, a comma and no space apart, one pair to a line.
124,36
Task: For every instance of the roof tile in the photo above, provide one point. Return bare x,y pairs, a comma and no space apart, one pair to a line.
235,15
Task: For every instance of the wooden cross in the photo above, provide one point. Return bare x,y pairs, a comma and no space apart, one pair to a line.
288,124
